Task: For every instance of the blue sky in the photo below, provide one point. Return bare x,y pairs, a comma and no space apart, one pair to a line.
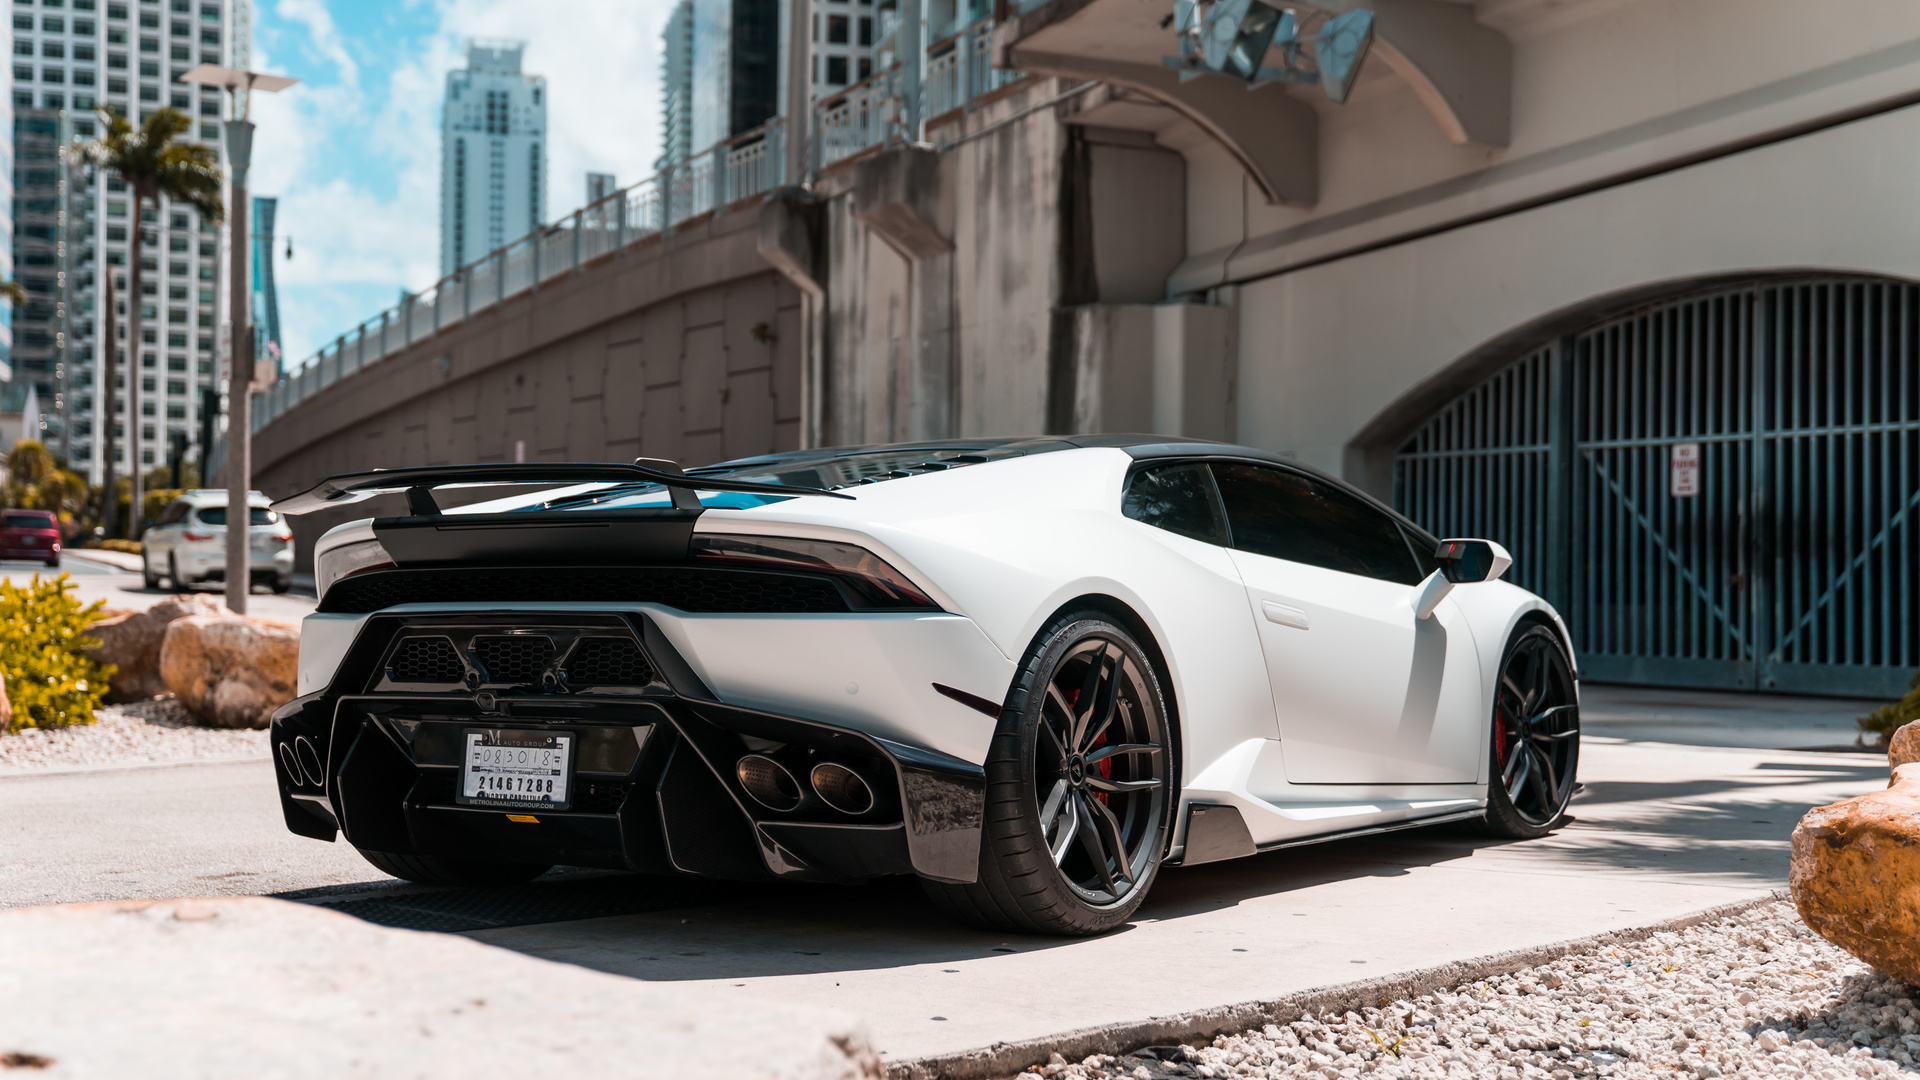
353,152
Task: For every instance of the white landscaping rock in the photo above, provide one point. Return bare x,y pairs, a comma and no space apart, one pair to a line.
251,987
156,731
1748,995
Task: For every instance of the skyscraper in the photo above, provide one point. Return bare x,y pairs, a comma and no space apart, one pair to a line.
493,165
266,299
71,225
736,67
676,87
6,212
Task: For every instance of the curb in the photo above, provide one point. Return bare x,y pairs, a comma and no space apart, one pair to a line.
105,558
9,773
1002,1060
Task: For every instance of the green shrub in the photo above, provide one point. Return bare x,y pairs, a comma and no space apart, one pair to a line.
1888,719
131,547
51,680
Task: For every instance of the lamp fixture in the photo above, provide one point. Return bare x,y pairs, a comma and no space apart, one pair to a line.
1233,37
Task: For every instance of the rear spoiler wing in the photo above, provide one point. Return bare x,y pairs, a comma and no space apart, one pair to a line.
419,483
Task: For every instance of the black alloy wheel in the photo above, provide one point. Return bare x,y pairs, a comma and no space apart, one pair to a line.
1079,788
1536,737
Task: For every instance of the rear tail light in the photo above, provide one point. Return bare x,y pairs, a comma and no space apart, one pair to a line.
196,537
346,561
873,582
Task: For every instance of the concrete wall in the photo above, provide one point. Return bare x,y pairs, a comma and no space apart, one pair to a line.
687,349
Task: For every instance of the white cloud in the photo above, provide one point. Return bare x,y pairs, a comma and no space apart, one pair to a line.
354,157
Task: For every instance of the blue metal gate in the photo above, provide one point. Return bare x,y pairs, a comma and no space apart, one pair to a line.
1720,490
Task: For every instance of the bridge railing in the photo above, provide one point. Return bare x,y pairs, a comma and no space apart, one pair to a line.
859,118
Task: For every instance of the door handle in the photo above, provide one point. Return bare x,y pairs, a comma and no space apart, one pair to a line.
1284,614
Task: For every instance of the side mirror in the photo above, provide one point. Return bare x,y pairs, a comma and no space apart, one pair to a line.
1462,562
1465,562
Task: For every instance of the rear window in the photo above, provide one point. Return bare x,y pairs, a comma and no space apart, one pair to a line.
27,521
217,515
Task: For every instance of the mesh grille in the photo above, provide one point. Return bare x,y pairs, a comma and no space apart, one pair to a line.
600,798
516,659
426,660
689,589
607,662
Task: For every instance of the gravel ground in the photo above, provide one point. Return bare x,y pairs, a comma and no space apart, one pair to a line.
156,730
1755,994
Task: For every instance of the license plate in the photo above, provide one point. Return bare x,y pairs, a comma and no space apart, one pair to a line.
518,770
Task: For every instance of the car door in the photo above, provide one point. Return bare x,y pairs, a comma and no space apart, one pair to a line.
159,540
1366,693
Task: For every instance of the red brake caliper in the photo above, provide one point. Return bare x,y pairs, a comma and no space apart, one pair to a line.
1499,742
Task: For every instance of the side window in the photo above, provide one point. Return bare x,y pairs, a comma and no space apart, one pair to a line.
1286,515
1423,556
1177,498
174,513
211,515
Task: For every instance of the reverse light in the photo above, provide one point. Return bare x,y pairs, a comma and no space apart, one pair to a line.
872,580
347,560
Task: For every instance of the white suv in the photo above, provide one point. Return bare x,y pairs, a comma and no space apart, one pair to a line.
188,545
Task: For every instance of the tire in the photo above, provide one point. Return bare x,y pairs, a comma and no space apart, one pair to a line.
147,577
1534,737
282,585
434,870
173,574
54,563
1066,788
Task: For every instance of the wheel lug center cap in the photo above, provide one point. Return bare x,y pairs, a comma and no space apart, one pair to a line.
1076,770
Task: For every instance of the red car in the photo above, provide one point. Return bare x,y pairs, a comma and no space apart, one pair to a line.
30,534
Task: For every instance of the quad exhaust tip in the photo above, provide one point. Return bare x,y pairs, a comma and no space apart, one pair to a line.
768,782
841,788
309,762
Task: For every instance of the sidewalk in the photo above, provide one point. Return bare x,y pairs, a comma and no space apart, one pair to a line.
120,560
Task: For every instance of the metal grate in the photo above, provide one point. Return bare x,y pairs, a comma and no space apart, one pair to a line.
513,658
688,589
607,662
457,910
1479,467
1789,565
426,660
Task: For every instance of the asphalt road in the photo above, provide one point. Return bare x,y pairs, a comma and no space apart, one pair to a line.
124,590
1660,830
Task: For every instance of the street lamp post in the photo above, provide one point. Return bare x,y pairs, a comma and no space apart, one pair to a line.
239,139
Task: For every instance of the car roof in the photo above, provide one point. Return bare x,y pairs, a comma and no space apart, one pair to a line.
217,497
1140,446
37,513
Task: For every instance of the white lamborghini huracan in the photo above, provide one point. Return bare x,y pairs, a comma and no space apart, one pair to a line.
1030,672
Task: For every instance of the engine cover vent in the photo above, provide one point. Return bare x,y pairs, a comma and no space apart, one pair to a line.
607,661
515,658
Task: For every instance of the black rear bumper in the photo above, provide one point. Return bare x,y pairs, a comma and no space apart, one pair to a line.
654,789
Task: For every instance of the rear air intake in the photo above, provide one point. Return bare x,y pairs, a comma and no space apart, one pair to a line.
841,788
607,661
768,782
426,660
515,658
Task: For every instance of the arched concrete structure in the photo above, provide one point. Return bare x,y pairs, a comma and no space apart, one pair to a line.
1329,353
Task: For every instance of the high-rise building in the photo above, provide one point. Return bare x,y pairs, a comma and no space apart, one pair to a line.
844,35
265,313
127,55
6,209
676,87
493,165
599,186
736,67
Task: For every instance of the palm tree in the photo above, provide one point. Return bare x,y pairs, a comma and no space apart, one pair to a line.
153,166
13,292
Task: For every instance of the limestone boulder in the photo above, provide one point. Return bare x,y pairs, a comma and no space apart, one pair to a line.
130,641
1856,874
1904,748
231,671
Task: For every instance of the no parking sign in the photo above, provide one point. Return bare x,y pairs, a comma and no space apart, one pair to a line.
1685,470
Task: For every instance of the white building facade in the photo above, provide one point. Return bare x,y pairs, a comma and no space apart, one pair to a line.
68,60
493,166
